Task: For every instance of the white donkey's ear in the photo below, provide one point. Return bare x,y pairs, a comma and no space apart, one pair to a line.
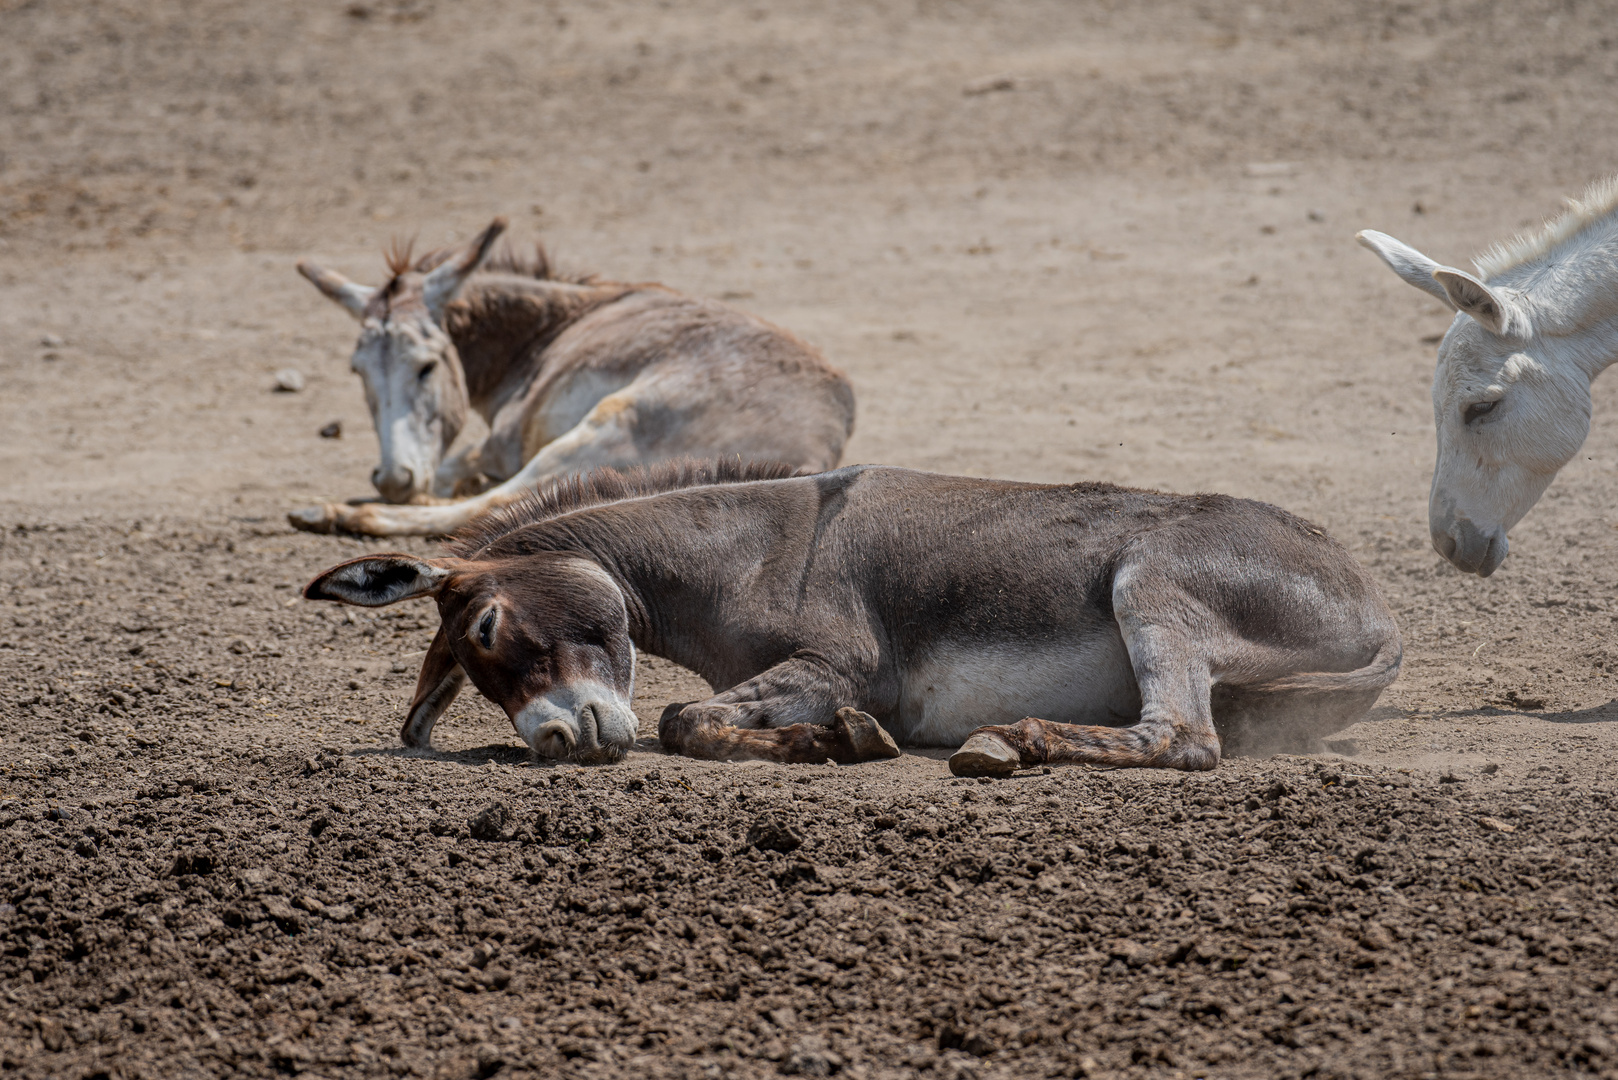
1407,262
338,288
439,287
380,580
1496,310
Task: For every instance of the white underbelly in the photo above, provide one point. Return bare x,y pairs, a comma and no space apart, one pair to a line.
1088,681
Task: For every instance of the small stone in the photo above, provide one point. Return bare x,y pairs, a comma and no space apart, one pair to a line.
51,1033
1493,824
288,381
1260,899
51,341
989,84
333,430
1159,1000
1375,937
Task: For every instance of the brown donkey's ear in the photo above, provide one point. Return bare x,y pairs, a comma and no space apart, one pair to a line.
440,286
380,580
440,680
350,296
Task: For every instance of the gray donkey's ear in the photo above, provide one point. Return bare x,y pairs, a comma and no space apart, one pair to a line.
380,580
440,286
351,297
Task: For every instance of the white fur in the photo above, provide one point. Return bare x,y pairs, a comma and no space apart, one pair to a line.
1531,332
553,724
410,413
1089,681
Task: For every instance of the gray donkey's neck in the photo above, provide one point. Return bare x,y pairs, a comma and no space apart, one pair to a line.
677,558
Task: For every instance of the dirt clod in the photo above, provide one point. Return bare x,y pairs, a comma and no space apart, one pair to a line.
773,832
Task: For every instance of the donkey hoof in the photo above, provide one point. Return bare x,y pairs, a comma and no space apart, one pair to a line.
983,755
315,519
868,740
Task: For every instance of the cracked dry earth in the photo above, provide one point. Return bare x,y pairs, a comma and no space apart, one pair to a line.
1048,241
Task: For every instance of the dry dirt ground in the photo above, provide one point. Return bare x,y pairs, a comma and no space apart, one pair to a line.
1049,241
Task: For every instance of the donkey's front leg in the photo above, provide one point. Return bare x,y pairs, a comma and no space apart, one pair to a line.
462,474
700,730
782,715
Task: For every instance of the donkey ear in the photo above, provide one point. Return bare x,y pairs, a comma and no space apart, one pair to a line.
352,297
440,680
1407,262
439,287
1496,310
379,580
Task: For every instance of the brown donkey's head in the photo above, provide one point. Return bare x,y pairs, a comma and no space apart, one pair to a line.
413,380
545,638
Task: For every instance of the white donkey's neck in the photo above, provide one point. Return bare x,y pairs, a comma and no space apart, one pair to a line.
1567,274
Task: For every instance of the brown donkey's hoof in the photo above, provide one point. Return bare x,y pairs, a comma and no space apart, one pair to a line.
983,755
864,736
315,519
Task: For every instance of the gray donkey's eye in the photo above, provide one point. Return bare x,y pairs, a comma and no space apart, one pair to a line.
486,629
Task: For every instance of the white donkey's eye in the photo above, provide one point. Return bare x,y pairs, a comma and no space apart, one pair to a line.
426,370
1479,408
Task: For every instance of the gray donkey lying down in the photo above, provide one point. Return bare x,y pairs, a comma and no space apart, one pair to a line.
848,612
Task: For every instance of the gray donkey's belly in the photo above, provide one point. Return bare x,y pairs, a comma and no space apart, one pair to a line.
962,686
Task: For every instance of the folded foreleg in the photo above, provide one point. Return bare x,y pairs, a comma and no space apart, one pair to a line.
706,731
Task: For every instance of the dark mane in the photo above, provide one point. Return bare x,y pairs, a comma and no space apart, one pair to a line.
607,486
506,259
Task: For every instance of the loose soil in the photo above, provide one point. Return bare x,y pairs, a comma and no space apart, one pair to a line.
1048,241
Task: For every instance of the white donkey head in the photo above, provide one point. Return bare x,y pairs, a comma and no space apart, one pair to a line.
414,383
1511,393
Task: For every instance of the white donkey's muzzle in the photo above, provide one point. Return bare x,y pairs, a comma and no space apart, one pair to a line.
587,723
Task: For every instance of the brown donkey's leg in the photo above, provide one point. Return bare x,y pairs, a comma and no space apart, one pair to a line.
705,731
780,715
1176,729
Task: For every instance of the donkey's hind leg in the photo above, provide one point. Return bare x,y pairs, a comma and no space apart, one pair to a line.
1171,662
1175,731
789,714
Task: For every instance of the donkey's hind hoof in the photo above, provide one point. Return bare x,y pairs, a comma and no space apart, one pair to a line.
983,755
315,519
866,738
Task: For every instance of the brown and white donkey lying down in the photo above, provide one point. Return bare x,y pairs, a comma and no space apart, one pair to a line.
849,612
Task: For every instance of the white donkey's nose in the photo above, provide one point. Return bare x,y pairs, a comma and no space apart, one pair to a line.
1468,547
396,484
